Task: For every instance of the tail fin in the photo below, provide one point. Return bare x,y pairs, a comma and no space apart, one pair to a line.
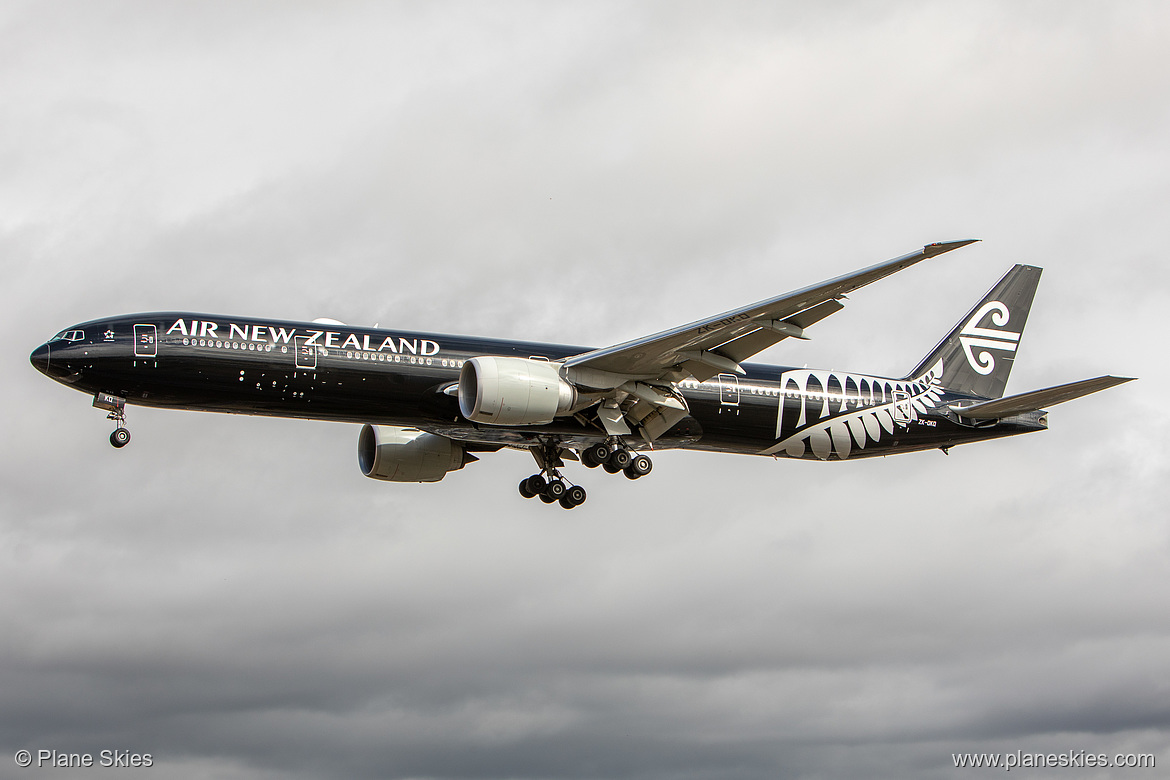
977,355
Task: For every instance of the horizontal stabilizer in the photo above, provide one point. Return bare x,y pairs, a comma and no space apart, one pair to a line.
1038,399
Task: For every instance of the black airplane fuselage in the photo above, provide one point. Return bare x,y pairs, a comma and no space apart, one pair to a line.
329,371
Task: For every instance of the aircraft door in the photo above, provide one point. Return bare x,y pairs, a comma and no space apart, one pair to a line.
306,353
901,407
729,392
145,341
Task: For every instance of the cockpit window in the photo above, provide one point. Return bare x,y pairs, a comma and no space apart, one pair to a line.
69,335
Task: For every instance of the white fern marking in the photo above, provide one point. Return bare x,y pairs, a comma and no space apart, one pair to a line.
886,405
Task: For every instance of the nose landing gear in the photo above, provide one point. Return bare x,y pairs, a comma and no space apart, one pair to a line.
117,412
120,437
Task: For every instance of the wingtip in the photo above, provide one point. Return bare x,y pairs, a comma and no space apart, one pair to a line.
937,248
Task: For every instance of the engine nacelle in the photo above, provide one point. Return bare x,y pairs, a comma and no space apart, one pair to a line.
408,454
513,391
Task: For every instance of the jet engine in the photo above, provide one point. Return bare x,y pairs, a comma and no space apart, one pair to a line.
513,391
408,454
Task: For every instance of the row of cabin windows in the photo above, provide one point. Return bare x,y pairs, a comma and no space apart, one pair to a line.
771,391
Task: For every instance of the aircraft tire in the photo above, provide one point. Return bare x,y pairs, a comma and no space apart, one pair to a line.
120,438
546,498
555,489
524,491
536,484
620,458
599,453
566,503
575,495
610,467
588,461
641,465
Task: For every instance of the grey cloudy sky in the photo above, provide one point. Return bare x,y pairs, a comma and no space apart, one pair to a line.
230,595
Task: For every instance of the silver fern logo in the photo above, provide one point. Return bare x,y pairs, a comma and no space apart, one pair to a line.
839,414
973,337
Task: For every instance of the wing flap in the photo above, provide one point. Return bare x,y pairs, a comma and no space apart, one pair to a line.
1038,399
743,347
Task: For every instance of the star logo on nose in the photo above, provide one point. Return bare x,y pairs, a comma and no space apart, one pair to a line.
109,335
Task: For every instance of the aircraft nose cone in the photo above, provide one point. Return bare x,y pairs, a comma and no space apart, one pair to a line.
40,358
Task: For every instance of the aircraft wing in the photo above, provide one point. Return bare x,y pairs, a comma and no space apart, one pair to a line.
718,344
1038,399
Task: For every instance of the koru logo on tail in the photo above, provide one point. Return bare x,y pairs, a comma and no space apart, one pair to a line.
973,337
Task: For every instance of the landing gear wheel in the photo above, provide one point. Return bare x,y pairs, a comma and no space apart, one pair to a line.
120,437
575,496
640,466
596,455
612,469
548,485
619,459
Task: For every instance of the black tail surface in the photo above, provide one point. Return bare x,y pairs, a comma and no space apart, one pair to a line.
977,355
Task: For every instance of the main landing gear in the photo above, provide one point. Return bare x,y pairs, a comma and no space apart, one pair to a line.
615,457
549,486
553,489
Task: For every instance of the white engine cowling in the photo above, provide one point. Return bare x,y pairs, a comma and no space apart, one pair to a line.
513,391
408,454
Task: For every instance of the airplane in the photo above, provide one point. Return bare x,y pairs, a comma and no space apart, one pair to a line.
429,404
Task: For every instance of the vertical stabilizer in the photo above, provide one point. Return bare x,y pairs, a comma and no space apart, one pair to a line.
977,355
